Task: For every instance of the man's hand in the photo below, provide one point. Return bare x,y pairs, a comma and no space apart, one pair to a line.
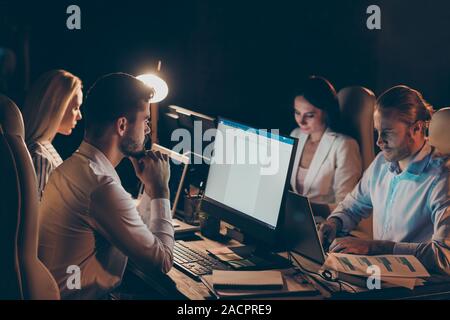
154,172
328,230
361,246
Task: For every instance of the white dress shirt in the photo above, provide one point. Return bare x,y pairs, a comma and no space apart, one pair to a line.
87,219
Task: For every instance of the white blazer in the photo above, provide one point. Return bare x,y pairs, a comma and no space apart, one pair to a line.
335,168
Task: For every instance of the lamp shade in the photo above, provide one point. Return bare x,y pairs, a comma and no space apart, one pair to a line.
158,84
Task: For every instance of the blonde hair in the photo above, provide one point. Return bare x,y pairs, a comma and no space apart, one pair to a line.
408,103
47,102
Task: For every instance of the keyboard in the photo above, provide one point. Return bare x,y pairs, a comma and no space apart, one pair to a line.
193,262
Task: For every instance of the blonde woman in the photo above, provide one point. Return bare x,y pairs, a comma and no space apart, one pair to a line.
52,106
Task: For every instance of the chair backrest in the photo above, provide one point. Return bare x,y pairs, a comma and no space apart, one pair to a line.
438,133
22,275
357,106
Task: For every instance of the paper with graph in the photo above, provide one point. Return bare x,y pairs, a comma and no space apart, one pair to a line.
401,266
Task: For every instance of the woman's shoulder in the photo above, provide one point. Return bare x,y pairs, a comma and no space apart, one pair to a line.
296,133
40,151
345,144
344,139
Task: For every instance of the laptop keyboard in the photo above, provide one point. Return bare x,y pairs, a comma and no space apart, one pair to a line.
193,262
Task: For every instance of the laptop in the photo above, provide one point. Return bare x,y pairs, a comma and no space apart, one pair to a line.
301,229
303,238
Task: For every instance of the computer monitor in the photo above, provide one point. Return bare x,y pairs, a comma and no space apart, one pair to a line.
249,193
195,123
187,118
197,171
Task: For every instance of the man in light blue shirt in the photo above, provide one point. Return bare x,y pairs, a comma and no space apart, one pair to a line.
405,187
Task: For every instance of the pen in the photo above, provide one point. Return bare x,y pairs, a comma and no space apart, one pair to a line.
209,287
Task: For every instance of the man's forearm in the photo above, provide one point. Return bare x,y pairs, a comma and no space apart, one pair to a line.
379,247
338,222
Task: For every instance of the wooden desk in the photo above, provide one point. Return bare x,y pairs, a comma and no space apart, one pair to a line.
177,285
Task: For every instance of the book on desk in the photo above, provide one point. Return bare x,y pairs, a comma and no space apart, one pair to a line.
279,283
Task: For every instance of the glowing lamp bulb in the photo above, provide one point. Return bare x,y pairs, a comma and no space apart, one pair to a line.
158,84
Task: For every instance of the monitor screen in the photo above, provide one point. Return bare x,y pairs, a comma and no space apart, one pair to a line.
248,175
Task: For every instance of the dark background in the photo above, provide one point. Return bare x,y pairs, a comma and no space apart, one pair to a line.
239,59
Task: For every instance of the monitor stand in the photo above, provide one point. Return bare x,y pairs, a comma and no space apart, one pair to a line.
254,258
248,257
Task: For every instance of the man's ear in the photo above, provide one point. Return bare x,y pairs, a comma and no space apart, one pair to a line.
121,126
418,127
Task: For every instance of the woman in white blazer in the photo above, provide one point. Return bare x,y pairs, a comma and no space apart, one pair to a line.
327,165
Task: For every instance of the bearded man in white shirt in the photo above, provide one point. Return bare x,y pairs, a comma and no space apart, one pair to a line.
87,219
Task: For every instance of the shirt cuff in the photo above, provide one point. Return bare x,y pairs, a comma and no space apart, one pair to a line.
347,223
161,218
404,248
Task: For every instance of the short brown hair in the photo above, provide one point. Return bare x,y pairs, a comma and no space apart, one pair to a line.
113,96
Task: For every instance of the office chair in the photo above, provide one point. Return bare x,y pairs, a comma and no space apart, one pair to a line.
22,275
357,106
438,133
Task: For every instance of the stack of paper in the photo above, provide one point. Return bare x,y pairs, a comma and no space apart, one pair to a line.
394,270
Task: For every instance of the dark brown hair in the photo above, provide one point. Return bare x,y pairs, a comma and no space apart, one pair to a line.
113,96
321,94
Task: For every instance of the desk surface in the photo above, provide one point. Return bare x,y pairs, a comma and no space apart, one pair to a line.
178,285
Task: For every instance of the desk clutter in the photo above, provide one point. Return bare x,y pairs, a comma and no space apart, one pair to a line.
245,257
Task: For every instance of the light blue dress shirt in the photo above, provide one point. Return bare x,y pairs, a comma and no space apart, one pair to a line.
409,208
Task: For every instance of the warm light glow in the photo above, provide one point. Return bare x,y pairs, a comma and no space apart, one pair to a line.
158,84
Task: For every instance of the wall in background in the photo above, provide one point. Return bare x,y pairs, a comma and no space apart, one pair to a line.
242,61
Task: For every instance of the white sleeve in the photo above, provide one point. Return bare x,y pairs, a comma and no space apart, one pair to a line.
145,236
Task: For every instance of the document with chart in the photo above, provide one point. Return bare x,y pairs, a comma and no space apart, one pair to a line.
403,266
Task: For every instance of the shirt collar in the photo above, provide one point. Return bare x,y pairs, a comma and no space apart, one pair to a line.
440,161
99,158
417,164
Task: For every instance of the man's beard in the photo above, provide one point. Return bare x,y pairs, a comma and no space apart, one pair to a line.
131,147
403,151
